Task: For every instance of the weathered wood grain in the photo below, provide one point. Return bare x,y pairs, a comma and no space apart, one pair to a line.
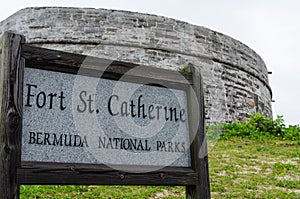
84,174
95,67
199,144
11,91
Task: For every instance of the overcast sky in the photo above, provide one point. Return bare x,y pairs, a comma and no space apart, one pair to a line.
270,27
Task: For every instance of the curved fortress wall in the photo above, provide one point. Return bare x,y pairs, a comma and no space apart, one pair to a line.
235,77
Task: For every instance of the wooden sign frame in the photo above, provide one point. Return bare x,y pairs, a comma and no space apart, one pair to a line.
16,55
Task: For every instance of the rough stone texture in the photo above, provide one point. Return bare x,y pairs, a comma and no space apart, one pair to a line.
101,124
235,77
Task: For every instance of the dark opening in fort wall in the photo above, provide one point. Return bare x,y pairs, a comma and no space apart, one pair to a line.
235,77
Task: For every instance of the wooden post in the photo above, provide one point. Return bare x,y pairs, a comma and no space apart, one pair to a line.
11,91
199,145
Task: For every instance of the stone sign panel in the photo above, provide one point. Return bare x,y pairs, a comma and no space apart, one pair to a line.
72,118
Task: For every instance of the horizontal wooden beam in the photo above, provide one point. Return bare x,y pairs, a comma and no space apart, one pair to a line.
87,174
103,68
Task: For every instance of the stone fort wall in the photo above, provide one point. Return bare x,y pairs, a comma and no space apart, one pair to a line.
235,77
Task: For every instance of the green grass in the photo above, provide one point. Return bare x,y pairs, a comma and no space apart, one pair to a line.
245,168
70,192
239,168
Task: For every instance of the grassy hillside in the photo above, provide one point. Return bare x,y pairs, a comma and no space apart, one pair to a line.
255,159
243,168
